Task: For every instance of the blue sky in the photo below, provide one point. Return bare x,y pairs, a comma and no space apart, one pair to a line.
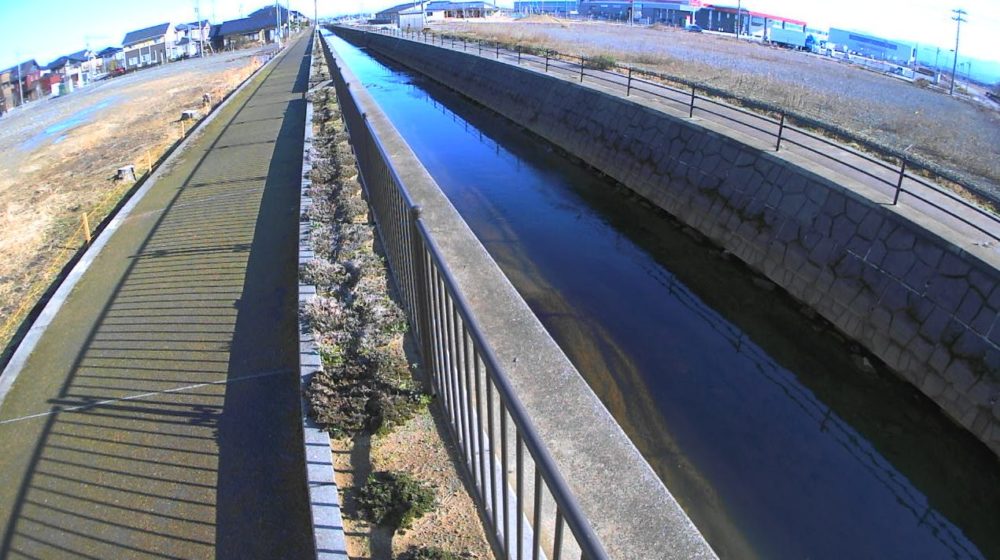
47,29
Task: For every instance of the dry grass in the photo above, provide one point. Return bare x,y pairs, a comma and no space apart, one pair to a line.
955,133
51,180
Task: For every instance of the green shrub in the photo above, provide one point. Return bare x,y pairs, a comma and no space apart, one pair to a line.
394,499
600,62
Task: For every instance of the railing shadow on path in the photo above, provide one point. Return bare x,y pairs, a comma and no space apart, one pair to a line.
176,431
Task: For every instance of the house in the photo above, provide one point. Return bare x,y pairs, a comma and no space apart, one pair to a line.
21,83
75,70
258,28
152,45
192,38
112,60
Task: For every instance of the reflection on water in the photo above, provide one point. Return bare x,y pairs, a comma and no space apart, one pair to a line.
755,416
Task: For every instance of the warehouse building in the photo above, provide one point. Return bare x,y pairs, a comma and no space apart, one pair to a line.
670,13
871,46
551,7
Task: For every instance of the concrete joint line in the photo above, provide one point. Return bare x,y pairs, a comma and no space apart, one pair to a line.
138,396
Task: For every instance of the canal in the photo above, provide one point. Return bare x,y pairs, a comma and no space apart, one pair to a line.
777,436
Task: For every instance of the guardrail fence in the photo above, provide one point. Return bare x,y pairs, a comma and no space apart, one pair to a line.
524,499
898,174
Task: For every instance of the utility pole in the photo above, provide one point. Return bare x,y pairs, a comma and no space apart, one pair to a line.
959,18
739,17
201,30
277,19
17,81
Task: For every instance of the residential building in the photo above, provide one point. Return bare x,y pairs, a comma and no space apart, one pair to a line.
76,69
21,83
112,60
406,15
192,38
152,45
258,28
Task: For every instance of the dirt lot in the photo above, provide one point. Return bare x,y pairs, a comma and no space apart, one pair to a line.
956,133
58,157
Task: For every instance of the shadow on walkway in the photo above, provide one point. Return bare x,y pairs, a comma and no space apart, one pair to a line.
176,432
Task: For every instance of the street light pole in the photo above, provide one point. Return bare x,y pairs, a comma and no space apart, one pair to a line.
958,18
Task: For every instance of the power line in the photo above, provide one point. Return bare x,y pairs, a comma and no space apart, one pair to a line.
958,18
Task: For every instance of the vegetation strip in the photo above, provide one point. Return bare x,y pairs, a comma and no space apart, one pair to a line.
365,388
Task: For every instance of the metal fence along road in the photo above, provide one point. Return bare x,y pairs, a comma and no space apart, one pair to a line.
898,178
532,513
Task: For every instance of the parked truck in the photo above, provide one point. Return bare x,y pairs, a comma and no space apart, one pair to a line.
791,38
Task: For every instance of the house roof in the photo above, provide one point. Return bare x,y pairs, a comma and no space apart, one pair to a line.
108,52
191,25
398,8
140,35
26,67
263,18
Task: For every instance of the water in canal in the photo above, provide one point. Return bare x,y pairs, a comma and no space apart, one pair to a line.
771,431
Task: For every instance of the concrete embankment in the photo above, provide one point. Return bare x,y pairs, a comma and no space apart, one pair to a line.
903,286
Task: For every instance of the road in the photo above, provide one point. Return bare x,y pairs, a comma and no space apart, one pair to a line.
158,415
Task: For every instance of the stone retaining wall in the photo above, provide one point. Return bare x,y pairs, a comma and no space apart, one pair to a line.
882,275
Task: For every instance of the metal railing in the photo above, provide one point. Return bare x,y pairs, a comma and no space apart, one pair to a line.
494,433
898,173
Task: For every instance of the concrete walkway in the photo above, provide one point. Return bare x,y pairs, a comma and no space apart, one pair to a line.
158,415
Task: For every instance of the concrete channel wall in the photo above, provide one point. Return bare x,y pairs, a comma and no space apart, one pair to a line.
885,276
619,495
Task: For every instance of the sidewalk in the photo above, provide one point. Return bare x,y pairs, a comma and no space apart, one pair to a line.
158,416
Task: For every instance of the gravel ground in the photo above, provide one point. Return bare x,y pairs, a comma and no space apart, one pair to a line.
58,156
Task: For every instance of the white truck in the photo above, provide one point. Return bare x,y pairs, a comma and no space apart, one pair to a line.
791,38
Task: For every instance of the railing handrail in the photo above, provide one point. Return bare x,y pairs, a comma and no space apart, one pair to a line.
561,493
568,507
901,171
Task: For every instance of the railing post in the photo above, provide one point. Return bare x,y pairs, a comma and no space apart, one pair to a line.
628,88
421,307
691,110
498,50
582,59
519,54
546,60
464,44
899,182
480,43
781,130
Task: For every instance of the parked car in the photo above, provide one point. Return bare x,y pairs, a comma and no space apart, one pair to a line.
693,28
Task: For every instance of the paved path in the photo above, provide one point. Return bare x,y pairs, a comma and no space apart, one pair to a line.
158,416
